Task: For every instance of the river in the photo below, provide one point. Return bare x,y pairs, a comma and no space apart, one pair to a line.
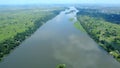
59,42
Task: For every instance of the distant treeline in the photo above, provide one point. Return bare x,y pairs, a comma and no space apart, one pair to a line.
110,17
102,28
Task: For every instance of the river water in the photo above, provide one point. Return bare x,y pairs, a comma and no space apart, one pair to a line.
59,42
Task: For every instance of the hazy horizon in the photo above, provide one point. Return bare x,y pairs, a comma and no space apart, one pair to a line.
27,2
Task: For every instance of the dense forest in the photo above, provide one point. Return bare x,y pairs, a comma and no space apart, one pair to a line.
17,24
104,27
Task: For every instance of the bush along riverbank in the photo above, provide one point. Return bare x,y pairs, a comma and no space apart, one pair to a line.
26,27
105,33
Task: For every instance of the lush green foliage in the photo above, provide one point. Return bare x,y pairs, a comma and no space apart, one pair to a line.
61,66
104,32
98,13
18,24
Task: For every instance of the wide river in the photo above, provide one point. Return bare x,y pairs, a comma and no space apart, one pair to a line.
59,42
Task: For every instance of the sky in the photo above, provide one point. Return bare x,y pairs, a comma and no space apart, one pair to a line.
9,2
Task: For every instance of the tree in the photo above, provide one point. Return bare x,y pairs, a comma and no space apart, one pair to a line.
61,66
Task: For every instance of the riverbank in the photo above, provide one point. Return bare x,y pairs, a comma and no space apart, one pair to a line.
26,23
105,33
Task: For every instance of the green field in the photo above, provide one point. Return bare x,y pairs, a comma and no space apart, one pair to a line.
16,24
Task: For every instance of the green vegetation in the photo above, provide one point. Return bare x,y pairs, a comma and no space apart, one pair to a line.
71,19
18,24
104,32
79,26
61,66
